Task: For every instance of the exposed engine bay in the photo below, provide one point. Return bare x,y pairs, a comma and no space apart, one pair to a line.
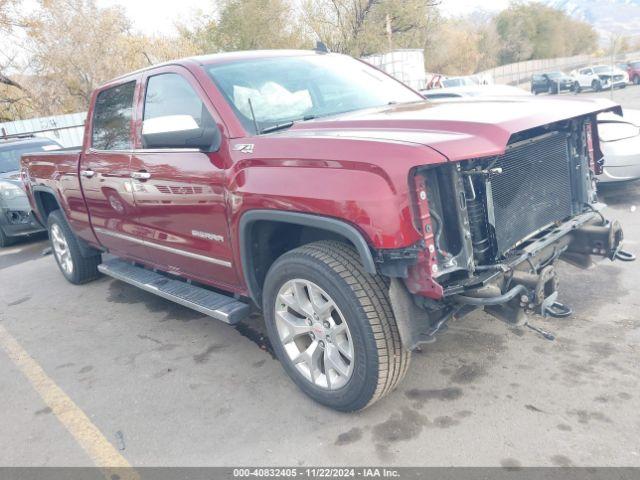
500,225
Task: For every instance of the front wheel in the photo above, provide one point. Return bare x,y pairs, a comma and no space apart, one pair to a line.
596,85
332,326
75,267
576,87
636,80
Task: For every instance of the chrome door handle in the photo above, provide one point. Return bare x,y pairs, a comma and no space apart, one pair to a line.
141,175
87,173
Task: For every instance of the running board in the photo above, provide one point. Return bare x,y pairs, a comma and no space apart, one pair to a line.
216,305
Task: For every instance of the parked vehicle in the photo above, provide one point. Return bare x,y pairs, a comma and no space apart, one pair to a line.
358,216
620,140
16,219
633,71
552,83
458,82
599,77
475,91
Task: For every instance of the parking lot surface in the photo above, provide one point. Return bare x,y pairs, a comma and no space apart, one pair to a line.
165,386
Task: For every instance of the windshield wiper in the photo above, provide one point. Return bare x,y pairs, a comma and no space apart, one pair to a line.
289,124
279,126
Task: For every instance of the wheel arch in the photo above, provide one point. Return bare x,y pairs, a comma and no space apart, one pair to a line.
46,201
257,253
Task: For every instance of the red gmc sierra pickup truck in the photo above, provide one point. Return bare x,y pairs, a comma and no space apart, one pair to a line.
358,216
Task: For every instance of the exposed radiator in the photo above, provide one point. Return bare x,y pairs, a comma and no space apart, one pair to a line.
533,191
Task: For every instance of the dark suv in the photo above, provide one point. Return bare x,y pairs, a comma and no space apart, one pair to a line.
16,219
552,82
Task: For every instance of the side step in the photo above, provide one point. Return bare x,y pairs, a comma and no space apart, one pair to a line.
216,305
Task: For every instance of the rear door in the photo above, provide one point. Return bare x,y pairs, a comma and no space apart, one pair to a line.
105,172
180,193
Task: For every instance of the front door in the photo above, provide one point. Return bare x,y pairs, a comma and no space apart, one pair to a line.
105,173
180,193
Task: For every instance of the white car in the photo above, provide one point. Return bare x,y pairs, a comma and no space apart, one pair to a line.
620,143
599,77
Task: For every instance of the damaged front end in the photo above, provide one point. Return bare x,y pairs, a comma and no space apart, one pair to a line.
494,229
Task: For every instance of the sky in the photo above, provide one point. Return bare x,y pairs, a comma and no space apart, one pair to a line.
160,16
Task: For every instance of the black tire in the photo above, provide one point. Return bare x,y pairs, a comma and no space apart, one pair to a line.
636,80
85,268
576,87
380,360
596,85
5,241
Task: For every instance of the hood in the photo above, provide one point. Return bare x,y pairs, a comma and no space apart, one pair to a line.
458,129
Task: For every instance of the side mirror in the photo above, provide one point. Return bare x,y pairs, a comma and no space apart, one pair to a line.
179,131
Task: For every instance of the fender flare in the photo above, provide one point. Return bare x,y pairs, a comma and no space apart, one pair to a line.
85,249
308,220
40,206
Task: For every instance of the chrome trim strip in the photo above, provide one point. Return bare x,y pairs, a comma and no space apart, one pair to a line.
137,150
164,248
164,150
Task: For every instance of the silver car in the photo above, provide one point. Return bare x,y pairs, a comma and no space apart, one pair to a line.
16,219
620,143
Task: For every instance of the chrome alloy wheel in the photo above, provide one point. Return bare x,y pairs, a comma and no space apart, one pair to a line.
61,249
314,334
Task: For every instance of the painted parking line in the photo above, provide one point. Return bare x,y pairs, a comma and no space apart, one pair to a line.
85,433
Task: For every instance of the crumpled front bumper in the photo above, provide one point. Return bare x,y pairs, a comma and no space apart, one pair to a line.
530,283
17,223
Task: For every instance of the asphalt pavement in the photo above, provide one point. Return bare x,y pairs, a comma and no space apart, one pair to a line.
105,371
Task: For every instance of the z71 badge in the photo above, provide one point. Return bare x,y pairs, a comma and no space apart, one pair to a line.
244,147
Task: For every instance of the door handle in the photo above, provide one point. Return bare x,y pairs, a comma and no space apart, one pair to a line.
141,175
87,173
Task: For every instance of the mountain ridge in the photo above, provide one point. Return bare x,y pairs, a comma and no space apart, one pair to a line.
609,17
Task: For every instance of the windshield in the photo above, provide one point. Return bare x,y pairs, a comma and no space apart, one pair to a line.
285,89
555,74
10,154
602,69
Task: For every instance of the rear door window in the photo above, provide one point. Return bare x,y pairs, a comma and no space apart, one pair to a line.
112,118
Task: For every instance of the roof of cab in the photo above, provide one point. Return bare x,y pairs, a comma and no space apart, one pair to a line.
219,58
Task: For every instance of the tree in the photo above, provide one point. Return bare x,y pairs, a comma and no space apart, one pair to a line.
76,46
363,27
248,25
12,93
532,30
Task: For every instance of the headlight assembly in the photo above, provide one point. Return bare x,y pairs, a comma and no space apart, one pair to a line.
10,190
614,131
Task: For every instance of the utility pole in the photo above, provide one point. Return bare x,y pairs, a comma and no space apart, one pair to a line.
614,41
389,32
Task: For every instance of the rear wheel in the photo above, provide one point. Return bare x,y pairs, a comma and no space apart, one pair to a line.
332,327
636,80
596,85
75,267
576,87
